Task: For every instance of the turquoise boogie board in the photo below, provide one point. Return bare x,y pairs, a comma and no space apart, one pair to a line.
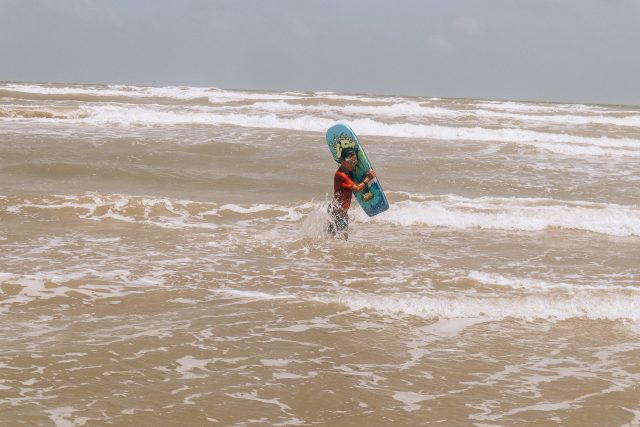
371,199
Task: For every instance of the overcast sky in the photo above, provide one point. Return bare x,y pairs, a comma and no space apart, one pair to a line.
555,50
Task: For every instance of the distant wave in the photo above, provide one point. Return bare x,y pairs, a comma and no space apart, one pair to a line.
548,128
515,214
359,104
119,115
413,109
132,92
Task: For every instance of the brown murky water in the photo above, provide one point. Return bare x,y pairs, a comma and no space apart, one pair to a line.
163,261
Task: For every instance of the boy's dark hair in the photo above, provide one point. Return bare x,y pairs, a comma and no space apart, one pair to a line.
346,152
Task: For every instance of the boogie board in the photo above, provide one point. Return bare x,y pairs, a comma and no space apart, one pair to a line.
371,199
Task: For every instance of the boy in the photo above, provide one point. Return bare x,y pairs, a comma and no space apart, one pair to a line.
343,188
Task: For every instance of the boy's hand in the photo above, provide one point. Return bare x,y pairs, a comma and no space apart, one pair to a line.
371,174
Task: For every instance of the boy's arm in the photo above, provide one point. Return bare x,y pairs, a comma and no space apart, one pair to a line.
359,187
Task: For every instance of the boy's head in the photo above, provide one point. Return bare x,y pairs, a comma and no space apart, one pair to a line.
347,152
348,158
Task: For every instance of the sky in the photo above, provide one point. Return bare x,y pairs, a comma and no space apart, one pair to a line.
584,51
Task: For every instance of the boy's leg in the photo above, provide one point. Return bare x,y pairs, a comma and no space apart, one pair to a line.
342,225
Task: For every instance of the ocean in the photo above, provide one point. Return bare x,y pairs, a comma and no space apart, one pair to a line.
164,261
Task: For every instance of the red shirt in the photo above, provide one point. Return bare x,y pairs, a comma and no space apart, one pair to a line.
342,184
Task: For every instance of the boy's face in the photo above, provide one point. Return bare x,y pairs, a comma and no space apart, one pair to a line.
349,163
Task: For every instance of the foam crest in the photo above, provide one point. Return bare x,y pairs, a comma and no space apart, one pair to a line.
506,135
418,110
400,109
111,90
515,214
145,116
396,106
523,283
610,306
163,212
156,211
584,150
215,95
248,210
155,115
528,107
630,119
451,211
254,295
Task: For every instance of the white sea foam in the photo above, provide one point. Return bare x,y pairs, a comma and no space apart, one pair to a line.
274,102
636,417
145,116
160,212
520,283
279,115
111,90
416,110
407,130
256,295
243,210
529,107
192,368
397,106
584,150
63,416
400,109
586,305
214,95
47,285
359,98
515,214
630,119
411,400
253,396
451,211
